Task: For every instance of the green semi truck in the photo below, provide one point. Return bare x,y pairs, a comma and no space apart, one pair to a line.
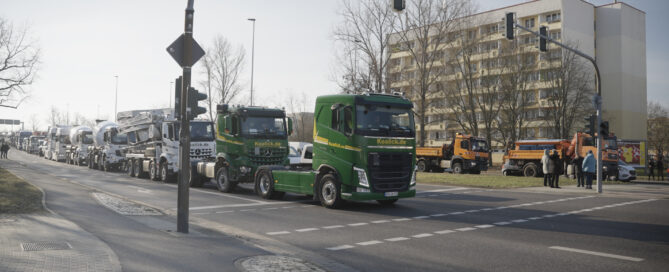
247,137
364,149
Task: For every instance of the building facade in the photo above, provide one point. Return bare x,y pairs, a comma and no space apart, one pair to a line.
614,34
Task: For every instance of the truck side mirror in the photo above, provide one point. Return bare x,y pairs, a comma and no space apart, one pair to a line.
290,126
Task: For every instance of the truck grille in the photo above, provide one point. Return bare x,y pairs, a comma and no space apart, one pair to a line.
390,171
267,156
200,153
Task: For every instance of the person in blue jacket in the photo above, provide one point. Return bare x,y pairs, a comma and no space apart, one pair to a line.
589,168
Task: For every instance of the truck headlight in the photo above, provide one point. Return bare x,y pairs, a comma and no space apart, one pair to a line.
413,176
362,177
244,169
473,163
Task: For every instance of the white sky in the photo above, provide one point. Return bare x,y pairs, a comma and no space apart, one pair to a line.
85,43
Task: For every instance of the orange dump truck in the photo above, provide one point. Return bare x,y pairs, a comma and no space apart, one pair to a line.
465,154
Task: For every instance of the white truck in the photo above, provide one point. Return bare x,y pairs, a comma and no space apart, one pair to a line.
80,138
34,144
153,143
107,151
60,142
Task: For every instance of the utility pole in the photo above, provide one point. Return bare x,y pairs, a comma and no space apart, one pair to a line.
253,49
116,99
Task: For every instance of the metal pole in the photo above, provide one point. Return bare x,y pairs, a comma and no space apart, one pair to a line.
116,99
171,94
184,132
253,43
598,99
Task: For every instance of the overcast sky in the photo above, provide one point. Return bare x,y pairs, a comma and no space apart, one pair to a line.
85,43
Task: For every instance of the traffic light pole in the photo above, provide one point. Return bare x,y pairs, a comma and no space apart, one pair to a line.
184,132
598,99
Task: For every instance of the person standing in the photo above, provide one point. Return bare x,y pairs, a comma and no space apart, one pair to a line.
557,171
590,168
545,161
660,167
578,168
551,169
651,168
3,150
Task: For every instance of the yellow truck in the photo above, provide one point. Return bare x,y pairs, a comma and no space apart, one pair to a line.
465,154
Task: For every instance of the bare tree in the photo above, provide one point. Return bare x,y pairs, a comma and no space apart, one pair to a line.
19,59
365,29
303,119
570,83
223,67
658,127
34,122
422,31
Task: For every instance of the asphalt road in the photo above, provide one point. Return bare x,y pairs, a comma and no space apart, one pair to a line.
442,229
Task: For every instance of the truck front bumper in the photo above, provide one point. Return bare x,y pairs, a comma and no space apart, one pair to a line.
362,196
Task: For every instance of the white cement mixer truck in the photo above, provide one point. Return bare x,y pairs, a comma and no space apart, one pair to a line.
107,151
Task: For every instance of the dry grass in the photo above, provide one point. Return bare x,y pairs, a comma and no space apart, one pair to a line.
18,196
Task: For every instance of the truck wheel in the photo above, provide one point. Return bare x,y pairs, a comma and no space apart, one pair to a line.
457,168
222,181
105,165
530,170
195,179
138,168
265,187
164,174
153,172
505,173
421,166
330,194
387,202
130,167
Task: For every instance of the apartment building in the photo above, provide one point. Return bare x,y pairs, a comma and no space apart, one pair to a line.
614,34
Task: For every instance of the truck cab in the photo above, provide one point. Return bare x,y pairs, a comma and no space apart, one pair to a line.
60,142
465,154
581,143
80,138
364,149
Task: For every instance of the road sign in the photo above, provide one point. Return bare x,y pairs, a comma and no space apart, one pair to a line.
176,51
9,122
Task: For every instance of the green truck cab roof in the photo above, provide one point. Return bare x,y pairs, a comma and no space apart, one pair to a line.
382,99
251,111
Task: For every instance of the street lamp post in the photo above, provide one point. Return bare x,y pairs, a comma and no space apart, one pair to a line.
171,94
253,42
116,99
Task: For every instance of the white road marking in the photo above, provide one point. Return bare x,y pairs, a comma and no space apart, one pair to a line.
421,217
369,243
340,247
443,190
433,195
519,221
358,224
602,254
444,231
465,229
487,209
233,205
422,235
437,215
380,221
534,218
271,209
305,230
484,226
333,227
225,212
401,219
247,210
396,239
472,211
502,223
278,232
456,213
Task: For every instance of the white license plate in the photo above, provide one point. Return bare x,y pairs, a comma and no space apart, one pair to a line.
390,194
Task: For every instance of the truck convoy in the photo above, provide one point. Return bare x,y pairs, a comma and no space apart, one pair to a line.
246,138
80,138
153,143
59,143
465,154
526,156
106,152
34,144
364,149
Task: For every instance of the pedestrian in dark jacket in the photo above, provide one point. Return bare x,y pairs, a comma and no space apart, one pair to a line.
578,168
3,150
589,168
660,168
651,169
557,160
551,170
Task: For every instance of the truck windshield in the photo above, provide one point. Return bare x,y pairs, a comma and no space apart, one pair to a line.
610,143
119,138
373,120
265,126
479,146
87,137
199,131
64,139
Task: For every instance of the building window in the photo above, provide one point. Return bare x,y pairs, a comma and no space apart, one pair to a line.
531,97
553,17
556,35
529,23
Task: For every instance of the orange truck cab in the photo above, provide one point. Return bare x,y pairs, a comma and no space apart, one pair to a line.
525,158
583,142
465,154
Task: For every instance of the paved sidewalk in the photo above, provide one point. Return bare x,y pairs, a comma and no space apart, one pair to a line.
47,242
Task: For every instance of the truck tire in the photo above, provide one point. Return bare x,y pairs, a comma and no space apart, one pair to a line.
264,186
130,167
164,172
421,166
195,179
330,192
387,202
530,170
222,182
457,168
153,172
105,165
137,168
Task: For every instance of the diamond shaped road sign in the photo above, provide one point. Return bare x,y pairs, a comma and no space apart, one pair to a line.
176,51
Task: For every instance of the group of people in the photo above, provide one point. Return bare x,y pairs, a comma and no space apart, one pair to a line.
553,167
656,165
3,150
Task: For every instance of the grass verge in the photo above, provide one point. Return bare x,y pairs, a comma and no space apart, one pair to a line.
18,196
491,181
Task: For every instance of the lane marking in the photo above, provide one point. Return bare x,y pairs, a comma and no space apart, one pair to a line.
225,212
519,221
502,223
396,239
401,219
465,229
380,221
233,206
484,226
602,254
358,224
444,231
443,190
369,243
421,217
422,235
333,227
437,215
305,230
278,233
340,247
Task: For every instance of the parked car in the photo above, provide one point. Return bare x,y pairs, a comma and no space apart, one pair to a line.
625,171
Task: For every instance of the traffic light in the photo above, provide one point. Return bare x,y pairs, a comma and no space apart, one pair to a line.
399,5
604,128
194,97
509,19
177,98
543,43
590,124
